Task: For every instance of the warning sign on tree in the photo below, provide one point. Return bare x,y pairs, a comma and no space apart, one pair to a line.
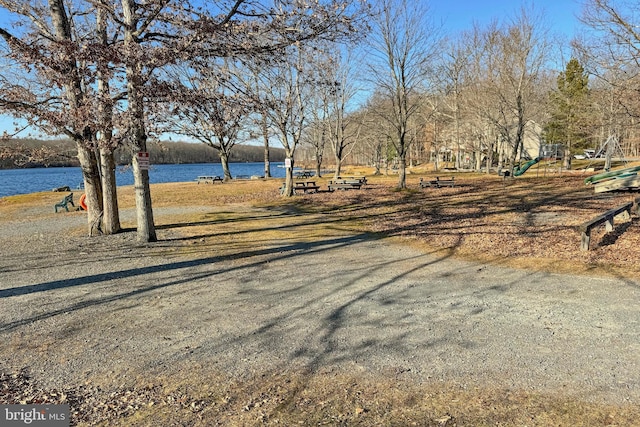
143,160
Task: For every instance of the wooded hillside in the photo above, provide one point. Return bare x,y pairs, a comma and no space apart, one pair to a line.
29,153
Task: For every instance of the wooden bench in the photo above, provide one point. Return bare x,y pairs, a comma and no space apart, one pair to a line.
206,179
606,219
64,203
438,183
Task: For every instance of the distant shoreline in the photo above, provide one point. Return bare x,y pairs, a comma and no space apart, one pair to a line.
119,165
43,154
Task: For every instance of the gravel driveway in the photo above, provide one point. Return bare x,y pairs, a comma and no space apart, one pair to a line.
76,309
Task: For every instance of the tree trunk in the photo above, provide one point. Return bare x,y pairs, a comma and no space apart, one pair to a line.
224,162
288,174
338,170
318,166
490,152
92,187
518,143
267,165
111,216
265,135
567,159
402,171
377,159
135,97
146,231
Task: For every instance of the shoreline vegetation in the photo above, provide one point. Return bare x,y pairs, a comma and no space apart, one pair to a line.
35,153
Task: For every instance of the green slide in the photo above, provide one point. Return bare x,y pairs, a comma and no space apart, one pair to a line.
606,175
519,170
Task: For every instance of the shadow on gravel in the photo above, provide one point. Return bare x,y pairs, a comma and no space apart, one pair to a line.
389,313
277,253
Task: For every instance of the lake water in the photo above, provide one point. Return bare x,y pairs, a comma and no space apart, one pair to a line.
24,181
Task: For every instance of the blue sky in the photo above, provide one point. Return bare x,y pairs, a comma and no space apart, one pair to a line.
458,15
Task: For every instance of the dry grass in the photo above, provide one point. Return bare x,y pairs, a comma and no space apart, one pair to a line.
339,399
529,222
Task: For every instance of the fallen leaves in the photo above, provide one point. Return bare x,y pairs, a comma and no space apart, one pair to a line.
526,220
91,404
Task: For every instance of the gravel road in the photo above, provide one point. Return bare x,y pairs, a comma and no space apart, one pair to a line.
75,309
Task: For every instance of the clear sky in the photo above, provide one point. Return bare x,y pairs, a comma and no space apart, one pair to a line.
458,15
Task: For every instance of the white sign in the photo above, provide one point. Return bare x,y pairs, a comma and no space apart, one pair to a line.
143,160
287,163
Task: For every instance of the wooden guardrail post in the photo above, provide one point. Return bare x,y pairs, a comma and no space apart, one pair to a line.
606,219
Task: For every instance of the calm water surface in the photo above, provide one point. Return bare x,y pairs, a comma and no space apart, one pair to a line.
24,181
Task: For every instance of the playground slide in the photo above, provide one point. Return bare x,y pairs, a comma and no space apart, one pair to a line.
611,174
519,170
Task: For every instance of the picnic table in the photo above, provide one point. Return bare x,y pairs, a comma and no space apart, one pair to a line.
304,174
305,187
438,183
308,186
345,184
207,178
359,179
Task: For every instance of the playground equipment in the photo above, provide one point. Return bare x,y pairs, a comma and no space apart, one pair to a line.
621,179
608,150
519,170
551,153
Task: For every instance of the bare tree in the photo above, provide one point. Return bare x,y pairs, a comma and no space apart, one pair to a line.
609,47
344,124
259,118
319,75
209,106
403,44
507,74
285,89
317,133
334,88
452,75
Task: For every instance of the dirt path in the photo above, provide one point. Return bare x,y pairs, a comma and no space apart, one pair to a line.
84,310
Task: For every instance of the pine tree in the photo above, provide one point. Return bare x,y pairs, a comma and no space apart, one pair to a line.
569,108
